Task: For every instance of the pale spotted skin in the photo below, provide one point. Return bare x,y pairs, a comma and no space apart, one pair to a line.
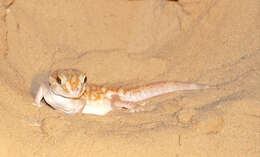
67,90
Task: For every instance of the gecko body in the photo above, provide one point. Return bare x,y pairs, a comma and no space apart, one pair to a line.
67,90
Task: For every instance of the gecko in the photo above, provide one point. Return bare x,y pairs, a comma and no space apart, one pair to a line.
67,90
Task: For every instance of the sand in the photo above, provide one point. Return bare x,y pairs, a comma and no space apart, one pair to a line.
125,43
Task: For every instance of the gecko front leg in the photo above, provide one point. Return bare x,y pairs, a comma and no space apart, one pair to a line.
39,95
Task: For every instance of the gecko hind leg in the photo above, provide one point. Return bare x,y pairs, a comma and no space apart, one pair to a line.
117,103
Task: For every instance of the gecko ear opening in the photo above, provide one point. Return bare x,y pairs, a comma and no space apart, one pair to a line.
58,80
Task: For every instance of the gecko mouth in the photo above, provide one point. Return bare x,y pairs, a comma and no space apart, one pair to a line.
75,95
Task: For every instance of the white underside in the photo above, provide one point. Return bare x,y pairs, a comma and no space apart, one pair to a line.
97,107
67,105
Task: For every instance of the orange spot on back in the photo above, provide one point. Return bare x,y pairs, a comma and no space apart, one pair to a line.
98,97
106,90
115,90
125,90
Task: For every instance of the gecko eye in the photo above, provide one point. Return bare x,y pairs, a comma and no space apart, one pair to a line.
85,79
58,80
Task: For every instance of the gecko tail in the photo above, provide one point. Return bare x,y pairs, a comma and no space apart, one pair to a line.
156,89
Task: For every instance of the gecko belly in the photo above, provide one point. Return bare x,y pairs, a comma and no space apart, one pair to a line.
97,107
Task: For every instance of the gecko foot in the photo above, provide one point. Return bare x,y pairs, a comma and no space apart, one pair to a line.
138,109
37,104
132,106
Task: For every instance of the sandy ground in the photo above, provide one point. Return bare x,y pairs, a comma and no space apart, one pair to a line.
128,43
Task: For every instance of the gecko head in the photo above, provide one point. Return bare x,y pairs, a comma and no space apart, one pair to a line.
70,83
